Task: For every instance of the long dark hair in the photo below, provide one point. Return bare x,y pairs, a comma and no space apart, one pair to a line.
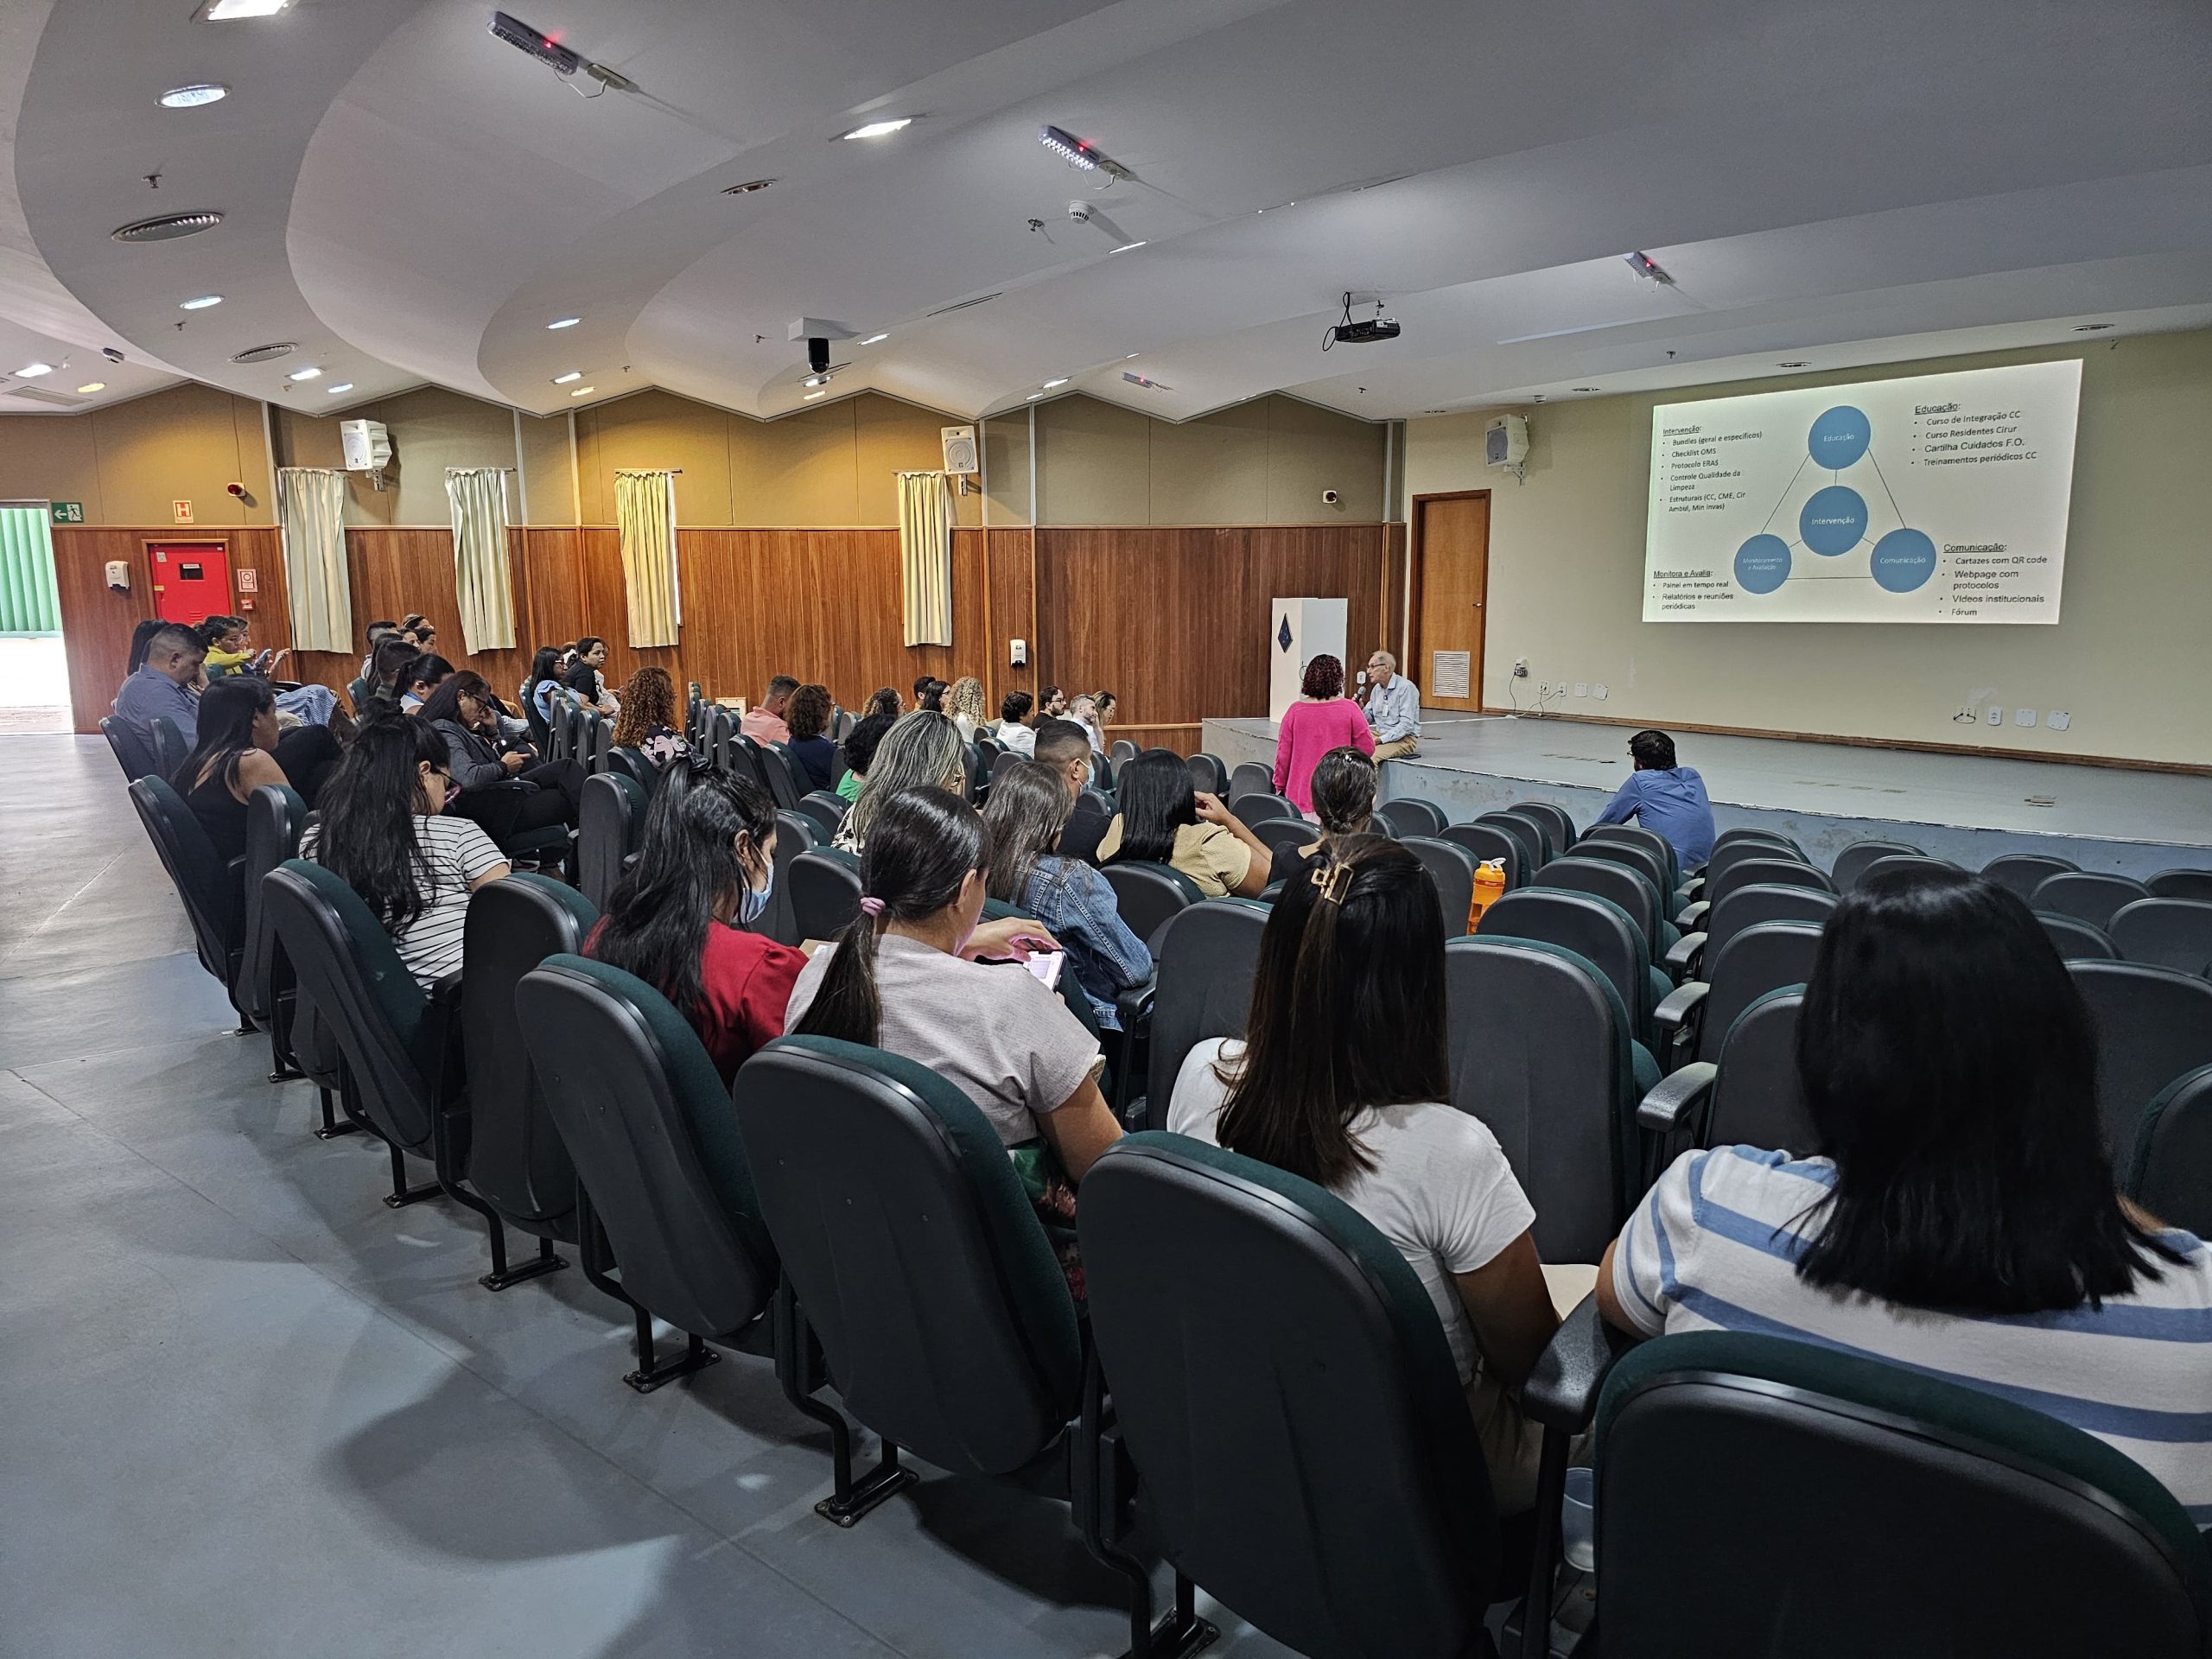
426,668
1950,1067
687,875
648,704
228,708
392,654
444,703
1344,791
369,804
1028,807
861,745
544,665
1348,1011
1154,796
924,843
142,638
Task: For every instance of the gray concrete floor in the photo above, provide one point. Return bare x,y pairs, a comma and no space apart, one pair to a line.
247,1410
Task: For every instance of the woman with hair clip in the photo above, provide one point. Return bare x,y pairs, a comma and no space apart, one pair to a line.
922,750
647,723
505,791
384,833
1958,1214
914,975
1345,1080
704,874
1162,819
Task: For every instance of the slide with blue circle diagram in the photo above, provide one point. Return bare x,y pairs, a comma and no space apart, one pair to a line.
1938,497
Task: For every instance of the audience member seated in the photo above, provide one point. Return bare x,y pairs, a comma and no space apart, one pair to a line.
141,636
419,628
705,873
1082,712
886,701
235,756
647,723
506,792
1392,710
422,674
1345,1080
1014,732
808,713
1322,719
1163,820
764,722
392,654
1343,799
914,975
585,679
1665,798
922,750
860,753
929,693
384,833
1028,808
1960,1217
545,690
166,685
963,700
1064,749
375,634
230,651
1052,704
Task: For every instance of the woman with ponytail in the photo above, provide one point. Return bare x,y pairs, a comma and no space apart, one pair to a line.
1345,1080
677,919
915,975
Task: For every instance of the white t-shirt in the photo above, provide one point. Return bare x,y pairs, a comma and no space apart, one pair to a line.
457,853
1022,739
1441,1191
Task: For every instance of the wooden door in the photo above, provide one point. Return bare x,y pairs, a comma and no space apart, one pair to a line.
1451,579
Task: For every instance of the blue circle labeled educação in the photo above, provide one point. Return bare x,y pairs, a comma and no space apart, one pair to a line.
1833,521
1903,560
1763,564
1840,438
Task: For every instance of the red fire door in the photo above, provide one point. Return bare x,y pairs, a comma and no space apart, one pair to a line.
191,579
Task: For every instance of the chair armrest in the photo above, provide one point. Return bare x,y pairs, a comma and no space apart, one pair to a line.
1678,1097
1674,1022
1693,883
1692,917
1682,954
1562,1391
1134,1005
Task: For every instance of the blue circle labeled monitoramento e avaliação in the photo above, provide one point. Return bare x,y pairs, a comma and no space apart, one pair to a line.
1840,438
1763,564
1903,560
1833,521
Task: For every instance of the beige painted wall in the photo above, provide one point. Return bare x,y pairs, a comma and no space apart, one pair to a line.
129,462
431,429
2128,659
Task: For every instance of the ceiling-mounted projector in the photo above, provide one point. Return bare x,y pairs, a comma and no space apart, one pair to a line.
1349,332
544,47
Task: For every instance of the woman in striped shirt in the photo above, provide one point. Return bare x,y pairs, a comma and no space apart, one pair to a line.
1961,1220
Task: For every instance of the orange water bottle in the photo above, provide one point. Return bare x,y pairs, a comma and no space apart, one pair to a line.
1490,885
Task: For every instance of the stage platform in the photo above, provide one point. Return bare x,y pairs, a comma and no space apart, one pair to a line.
1965,808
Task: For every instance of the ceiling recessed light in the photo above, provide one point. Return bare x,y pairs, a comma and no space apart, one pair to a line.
1061,381
1131,357
876,339
310,372
1079,152
2090,327
572,376
225,11
811,396
90,387
564,322
1582,388
751,186
32,370
880,129
199,304
1034,395
1794,363
343,385
191,97
1434,412
263,353
584,391
1126,246
167,228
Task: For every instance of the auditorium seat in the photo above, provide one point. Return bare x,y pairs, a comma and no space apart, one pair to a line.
825,894
275,817
1728,837
1208,953
1851,864
2172,932
1629,889
660,1166
632,763
1305,1451
1005,760
2170,1174
1547,843
1695,1017
1781,872
2088,896
132,753
1149,895
1096,812
1727,854
1262,804
1488,841
2166,884
211,889
774,763
1908,864
1525,837
1600,930
1634,835
1121,752
1408,817
1564,834
1748,1095
2078,941
1452,867
1249,779
826,808
516,1161
169,746
2153,1025
1207,773
1743,907
2022,873
611,819
1283,836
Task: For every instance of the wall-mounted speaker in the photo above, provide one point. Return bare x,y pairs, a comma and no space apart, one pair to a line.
960,452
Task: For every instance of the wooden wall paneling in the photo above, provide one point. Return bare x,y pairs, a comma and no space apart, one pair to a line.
1393,625
1010,574
553,581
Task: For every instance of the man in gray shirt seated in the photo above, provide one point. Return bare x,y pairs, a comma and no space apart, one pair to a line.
1393,708
166,687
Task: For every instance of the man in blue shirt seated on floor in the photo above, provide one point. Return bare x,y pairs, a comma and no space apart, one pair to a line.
1665,798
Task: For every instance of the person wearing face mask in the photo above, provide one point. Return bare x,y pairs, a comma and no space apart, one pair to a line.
677,920
1064,749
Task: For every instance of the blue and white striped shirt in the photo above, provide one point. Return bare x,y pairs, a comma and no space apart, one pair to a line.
1715,1246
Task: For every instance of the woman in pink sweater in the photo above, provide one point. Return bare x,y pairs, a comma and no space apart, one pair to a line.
1321,720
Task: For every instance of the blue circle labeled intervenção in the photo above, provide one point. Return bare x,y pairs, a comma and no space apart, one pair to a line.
1840,438
1903,560
1833,521
1763,564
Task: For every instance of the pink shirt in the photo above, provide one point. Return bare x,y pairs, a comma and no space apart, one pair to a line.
764,727
1309,730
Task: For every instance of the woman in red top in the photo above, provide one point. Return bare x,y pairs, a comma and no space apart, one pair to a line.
1321,720
703,874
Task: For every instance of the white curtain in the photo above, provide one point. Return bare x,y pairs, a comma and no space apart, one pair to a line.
925,515
645,511
481,578
311,511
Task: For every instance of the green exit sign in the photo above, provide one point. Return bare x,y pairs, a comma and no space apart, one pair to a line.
68,512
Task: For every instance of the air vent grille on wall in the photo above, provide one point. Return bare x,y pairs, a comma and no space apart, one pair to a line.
168,227
962,305
275,349
53,399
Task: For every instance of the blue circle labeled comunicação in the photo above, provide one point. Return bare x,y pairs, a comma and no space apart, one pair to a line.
1903,560
1840,438
1833,521
1763,564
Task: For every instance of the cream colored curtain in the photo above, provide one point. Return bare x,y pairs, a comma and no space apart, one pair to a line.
311,511
645,509
481,576
925,515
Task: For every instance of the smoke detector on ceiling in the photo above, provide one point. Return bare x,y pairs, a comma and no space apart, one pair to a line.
168,227
274,349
